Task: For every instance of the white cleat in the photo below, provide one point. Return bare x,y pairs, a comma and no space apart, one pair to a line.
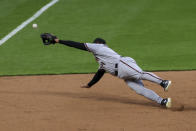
167,102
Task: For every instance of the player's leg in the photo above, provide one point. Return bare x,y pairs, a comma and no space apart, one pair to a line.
129,69
150,77
139,88
154,78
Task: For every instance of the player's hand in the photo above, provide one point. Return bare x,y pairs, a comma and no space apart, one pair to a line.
85,86
48,38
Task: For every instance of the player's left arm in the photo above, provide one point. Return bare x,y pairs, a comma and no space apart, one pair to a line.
98,75
74,44
48,39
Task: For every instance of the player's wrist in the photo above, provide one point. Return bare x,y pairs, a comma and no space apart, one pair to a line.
88,85
56,40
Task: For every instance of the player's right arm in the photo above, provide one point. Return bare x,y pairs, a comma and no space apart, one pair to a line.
98,75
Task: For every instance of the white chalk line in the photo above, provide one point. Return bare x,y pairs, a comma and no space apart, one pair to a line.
25,23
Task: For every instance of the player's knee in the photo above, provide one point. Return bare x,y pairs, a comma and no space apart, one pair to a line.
140,75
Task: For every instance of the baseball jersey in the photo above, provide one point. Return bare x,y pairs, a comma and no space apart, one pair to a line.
106,57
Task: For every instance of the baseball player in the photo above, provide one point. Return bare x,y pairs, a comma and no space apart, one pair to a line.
125,68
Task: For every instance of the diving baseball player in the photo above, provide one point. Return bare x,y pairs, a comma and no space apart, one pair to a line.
123,67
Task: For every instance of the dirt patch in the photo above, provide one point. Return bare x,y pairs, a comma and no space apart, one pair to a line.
49,103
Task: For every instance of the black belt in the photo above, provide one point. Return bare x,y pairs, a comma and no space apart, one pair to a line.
116,71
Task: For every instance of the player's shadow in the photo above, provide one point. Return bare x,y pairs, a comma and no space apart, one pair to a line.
97,97
89,96
101,97
109,98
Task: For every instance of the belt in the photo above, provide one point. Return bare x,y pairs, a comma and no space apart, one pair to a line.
116,68
116,71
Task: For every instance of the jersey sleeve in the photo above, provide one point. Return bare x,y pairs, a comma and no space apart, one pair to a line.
96,77
92,47
74,44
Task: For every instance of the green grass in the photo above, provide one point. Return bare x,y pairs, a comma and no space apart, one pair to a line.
14,12
159,35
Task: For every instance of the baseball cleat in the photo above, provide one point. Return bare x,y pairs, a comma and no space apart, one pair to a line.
167,102
165,84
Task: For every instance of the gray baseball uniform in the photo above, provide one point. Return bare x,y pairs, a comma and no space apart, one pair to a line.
125,68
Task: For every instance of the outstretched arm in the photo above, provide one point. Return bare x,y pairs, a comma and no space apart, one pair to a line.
48,39
95,79
74,44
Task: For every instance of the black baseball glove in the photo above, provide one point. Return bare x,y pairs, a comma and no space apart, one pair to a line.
48,38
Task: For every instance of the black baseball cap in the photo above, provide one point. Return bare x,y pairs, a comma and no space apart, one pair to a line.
99,40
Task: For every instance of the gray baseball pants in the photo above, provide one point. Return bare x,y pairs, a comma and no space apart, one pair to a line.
133,76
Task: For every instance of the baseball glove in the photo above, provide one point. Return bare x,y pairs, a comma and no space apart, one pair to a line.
48,38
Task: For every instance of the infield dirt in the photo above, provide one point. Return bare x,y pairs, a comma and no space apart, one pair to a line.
57,103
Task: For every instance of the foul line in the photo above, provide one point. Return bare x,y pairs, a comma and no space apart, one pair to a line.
25,23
